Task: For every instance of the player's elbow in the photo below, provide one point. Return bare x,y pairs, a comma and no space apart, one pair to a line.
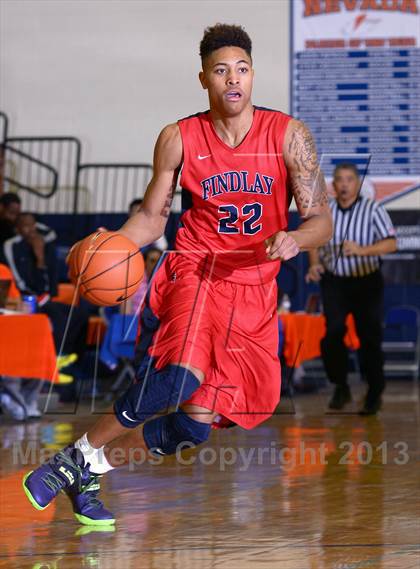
153,221
156,227
329,230
325,228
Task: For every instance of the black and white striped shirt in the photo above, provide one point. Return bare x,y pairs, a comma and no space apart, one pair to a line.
364,222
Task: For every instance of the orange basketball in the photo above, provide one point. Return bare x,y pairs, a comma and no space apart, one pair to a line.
106,267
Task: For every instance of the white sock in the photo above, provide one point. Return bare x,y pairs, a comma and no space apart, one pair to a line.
94,456
100,464
86,448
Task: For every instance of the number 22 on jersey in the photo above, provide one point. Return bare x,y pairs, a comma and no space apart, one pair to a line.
230,223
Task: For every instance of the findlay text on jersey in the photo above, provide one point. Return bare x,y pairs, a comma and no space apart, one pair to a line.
234,181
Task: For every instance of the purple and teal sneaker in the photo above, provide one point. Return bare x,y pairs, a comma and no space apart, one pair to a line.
87,509
67,472
64,470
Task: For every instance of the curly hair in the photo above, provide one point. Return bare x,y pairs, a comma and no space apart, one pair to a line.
224,35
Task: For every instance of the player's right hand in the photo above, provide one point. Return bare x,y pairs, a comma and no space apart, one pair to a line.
282,246
314,273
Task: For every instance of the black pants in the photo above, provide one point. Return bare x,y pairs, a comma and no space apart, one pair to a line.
75,335
362,297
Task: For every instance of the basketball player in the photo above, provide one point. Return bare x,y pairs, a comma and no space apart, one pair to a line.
214,354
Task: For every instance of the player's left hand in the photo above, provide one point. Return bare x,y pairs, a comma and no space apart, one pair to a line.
281,246
351,248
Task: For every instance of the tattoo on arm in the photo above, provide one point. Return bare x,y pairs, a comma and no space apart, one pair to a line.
306,178
166,210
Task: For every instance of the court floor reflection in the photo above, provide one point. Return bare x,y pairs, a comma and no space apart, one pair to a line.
303,491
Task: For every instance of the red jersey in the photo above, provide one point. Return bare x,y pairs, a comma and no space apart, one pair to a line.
233,198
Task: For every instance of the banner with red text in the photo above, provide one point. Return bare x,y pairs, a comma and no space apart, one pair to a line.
355,82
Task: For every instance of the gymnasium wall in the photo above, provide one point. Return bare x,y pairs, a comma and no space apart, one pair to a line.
114,72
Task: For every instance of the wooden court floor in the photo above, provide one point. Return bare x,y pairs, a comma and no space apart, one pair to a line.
305,490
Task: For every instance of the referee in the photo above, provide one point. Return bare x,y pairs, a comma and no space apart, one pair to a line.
348,268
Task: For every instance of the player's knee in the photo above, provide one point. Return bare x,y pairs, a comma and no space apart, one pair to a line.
195,370
170,433
157,392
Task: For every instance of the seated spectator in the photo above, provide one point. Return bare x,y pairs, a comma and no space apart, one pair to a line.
151,259
132,306
9,212
31,257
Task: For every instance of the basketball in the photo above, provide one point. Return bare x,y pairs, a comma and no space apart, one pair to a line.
106,267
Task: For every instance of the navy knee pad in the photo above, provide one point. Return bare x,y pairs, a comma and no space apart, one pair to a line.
170,433
155,393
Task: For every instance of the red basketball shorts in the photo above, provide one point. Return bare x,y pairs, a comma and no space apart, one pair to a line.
228,330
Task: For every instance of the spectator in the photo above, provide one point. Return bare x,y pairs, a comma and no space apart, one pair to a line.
31,257
9,212
151,259
132,306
